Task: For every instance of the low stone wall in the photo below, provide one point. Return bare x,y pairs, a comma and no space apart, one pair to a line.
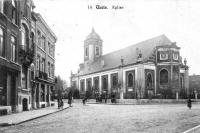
154,101
142,101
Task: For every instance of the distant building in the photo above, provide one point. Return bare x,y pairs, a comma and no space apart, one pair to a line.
44,63
194,85
150,68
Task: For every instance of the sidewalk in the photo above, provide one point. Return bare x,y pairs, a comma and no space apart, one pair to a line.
25,116
193,130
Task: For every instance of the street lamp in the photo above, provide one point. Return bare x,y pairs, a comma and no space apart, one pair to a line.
32,66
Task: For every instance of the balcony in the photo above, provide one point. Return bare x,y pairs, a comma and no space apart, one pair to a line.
43,75
26,55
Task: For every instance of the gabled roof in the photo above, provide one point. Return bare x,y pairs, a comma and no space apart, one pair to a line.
129,54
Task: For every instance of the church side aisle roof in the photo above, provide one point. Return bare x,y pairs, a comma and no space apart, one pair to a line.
129,54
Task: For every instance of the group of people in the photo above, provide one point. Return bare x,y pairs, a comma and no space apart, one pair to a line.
99,98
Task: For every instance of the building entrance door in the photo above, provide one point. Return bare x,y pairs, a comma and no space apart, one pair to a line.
25,104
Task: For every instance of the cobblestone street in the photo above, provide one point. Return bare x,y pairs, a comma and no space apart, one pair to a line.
101,118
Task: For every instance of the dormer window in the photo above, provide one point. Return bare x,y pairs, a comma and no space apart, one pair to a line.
86,51
97,51
175,56
163,56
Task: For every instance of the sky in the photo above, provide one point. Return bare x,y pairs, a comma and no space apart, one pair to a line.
139,20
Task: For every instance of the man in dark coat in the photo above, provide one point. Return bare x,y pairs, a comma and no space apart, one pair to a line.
189,103
58,99
84,100
70,98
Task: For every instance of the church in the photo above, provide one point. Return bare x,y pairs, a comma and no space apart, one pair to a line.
149,69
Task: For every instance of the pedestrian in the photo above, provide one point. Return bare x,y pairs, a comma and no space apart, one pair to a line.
189,103
84,100
58,100
105,98
101,98
113,98
62,104
70,99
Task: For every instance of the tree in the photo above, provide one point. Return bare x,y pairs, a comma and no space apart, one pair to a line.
60,87
76,94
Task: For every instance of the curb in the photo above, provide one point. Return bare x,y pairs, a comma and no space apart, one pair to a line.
11,124
191,130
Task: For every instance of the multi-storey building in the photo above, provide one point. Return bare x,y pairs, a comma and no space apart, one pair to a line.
9,62
151,68
26,53
20,45
44,63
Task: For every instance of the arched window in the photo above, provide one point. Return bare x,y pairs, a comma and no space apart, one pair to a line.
39,38
24,78
163,76
130,80
89,85
24,37
82,85
114,81
2,45
96,84
149,81
13,48
105,84
49,69
97,51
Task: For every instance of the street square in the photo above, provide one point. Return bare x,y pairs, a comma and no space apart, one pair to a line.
104,118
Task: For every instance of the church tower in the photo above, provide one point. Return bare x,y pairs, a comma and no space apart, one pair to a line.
92,47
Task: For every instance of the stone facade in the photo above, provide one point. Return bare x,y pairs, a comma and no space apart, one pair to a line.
150,69
9,62
44,64
18,26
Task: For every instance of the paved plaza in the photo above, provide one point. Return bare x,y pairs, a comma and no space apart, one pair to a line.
102,118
